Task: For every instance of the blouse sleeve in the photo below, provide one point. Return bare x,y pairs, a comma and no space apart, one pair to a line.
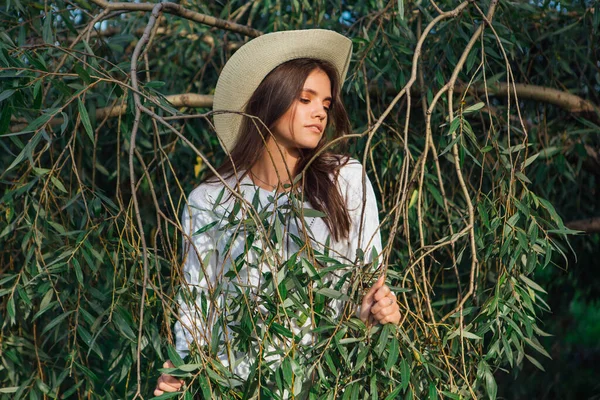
366,237
200,260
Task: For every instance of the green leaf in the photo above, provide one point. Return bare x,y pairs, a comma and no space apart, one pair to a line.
189,367
474,107
311,213
432,391
384,336
373,387
453,126
447,148
63,126
532,284
287,372
205,228
121,323
535,362
174,356
465,333
27,151
332,293
85,119
56,321
10,307
404,374
83,74
78,271
155,84
47,29
58,184
531,159
537,346
393,394
281,330
548,152
451,395
523,177
5,115
167,395
490,385
361,359
6,94
393,354
23,294
204,387
41,120
87,338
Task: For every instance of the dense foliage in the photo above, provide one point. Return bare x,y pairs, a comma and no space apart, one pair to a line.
470,166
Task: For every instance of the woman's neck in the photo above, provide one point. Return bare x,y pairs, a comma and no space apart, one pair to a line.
271,170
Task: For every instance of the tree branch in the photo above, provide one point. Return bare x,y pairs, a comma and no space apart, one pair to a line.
191,100
588,225
176,9
562,99
565,100
568,101
115,30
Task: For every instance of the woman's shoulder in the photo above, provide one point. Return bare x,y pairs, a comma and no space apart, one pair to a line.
350,183
351,170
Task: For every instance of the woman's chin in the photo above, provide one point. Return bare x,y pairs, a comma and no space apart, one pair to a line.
308,145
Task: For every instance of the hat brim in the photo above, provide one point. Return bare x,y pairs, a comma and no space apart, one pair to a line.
248,66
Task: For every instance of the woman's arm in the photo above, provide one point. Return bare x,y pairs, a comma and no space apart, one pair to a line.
200,260
379,303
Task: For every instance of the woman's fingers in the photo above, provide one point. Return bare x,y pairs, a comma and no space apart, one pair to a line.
167,383
384,302
376,287
386,310
172,381
368,300
382,292
165,387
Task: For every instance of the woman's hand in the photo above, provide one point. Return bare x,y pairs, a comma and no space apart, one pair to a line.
379,305
167,383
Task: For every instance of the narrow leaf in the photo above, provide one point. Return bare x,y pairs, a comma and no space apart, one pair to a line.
85,119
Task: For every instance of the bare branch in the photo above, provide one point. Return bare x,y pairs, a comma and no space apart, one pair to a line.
191,100
568,101
176,9
560,98
588,225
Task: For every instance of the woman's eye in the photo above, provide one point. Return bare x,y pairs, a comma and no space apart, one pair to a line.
305,101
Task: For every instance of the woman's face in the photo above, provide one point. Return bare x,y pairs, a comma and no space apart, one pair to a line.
303,124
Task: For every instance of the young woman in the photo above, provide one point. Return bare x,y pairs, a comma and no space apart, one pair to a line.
282,95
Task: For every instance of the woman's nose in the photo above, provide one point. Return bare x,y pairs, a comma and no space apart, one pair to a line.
319,112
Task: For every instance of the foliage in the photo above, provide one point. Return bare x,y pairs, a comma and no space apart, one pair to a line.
91,196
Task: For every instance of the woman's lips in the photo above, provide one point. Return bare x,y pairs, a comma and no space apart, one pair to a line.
315,128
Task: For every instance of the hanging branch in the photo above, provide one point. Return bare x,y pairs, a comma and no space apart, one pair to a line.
179,10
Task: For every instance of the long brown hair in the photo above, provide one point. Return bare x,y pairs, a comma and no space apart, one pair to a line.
271,99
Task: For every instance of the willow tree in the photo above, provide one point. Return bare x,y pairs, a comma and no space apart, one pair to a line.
106,127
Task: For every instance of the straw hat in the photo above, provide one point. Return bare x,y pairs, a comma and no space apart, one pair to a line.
248,66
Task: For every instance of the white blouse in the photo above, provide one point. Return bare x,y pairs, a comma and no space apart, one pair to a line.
213,252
